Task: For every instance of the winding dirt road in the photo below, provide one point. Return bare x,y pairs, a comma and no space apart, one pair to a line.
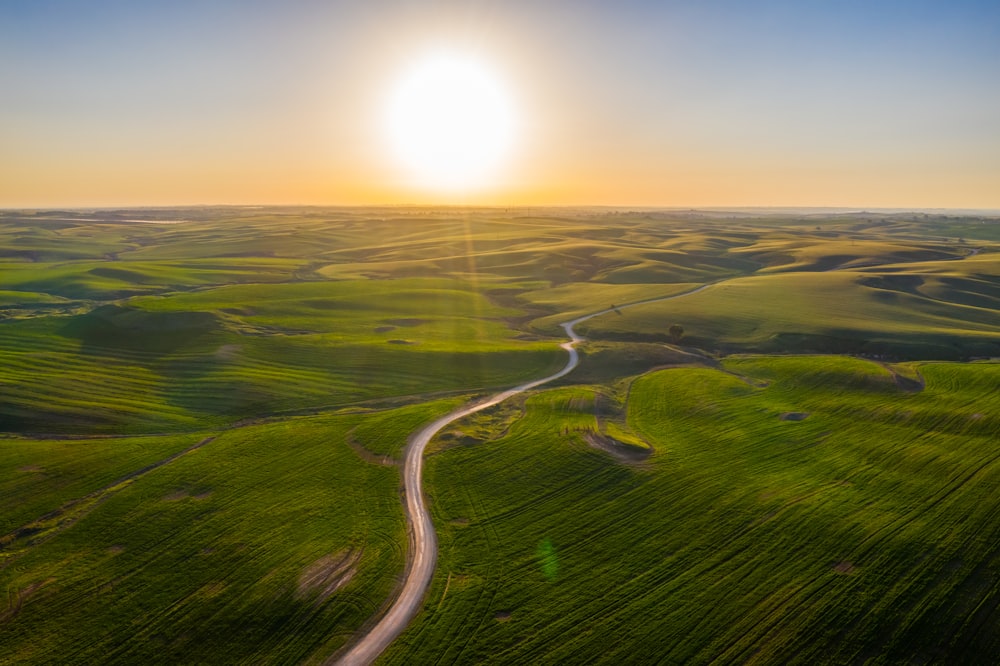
423,539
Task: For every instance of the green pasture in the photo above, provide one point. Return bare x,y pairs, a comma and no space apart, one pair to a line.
578,299
108,280
217,355
790,253
352,309
39,475
16,299
387,433
272,543
791,509
899,315
796,510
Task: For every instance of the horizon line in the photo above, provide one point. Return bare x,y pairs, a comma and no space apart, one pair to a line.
495,206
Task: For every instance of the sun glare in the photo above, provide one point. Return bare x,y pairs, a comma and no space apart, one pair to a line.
450,123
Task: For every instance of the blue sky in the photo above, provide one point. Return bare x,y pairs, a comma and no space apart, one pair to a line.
651,103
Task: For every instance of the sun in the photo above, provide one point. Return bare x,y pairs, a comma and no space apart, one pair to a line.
450,122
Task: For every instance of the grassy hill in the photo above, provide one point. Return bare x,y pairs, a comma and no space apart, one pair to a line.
921,312
794,509
202,412
269,543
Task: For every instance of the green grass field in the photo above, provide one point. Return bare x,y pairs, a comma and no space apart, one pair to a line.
215,356
202,413
950,314
271,543
796,510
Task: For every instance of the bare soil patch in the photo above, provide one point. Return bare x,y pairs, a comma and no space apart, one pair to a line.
844,567
328,574
18,597
401,342
366,455
384,329
620,451
227,352
904,383
502,616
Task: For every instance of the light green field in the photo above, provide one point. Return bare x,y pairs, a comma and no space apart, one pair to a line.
218,355
578,299
900,315
792,254
108,280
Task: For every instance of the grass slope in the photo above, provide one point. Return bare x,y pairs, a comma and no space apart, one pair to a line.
212,357
272,543
900,315
796,510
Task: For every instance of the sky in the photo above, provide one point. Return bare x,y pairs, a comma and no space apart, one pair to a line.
623,103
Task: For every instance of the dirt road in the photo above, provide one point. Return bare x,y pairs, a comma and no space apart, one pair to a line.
422,553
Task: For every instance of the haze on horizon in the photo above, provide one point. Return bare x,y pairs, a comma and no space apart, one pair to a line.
717,103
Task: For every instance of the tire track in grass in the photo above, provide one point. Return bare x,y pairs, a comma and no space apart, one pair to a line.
423,540
955,484
898,596
453,652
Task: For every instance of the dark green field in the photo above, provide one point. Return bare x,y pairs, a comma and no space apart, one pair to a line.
202,413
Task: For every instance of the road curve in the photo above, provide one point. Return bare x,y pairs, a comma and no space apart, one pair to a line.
423,539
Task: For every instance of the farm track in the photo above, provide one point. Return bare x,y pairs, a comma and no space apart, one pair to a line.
422,555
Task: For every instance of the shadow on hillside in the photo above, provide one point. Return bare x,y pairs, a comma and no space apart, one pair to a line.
117,328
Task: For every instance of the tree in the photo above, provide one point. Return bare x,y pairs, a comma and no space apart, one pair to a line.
676,332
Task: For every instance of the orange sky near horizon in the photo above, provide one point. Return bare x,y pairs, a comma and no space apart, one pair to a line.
645,104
